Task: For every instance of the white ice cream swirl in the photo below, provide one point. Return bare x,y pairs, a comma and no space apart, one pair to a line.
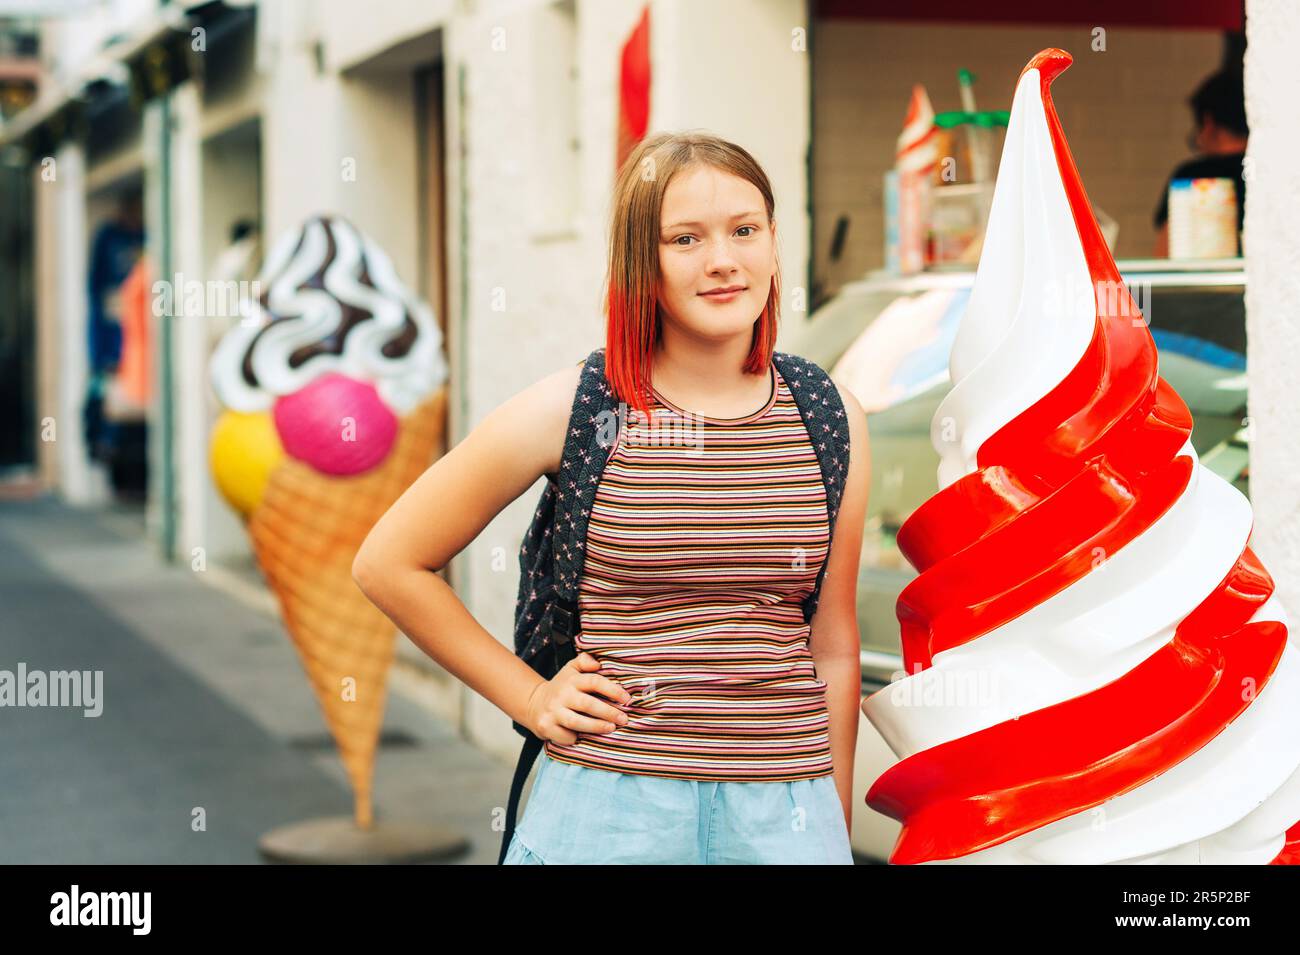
329,300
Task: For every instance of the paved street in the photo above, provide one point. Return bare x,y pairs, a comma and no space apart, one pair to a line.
204,705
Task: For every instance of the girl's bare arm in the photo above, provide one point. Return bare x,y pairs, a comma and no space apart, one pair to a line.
439,515
834,639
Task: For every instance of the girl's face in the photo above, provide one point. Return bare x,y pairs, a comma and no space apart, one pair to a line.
714,234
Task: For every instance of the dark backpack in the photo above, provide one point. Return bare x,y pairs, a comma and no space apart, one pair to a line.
551,558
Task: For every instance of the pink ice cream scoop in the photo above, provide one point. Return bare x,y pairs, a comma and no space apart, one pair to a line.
336,424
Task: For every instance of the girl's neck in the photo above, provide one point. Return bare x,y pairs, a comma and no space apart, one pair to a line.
708,377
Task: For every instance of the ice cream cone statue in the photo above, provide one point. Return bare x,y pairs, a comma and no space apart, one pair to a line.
334,385
1097,670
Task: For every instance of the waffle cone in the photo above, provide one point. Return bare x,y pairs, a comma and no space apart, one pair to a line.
306,532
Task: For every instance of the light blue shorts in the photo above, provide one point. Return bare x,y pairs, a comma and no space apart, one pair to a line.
577,815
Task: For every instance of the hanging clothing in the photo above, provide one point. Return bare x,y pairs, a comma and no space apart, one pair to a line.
135,369
112,255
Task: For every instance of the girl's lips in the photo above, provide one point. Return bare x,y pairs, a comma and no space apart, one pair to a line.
721,296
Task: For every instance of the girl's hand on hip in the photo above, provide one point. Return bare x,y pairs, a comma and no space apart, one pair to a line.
557,707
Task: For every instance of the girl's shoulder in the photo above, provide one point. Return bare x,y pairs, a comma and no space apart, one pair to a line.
554,398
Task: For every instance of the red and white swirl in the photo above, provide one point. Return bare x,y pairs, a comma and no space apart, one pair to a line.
1098,669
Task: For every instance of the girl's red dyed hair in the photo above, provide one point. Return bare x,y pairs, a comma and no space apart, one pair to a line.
633,323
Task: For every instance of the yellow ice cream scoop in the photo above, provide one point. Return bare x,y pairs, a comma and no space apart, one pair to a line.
245,449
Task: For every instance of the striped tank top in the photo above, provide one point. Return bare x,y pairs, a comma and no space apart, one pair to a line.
705,535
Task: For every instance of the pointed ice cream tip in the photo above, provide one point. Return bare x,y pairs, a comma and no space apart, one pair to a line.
1049,63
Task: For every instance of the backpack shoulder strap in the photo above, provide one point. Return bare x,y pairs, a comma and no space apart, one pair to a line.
823,416
537,560
593,431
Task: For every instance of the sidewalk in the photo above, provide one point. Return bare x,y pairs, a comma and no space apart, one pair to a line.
205,704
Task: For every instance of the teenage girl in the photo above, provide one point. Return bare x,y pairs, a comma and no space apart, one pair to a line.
702,720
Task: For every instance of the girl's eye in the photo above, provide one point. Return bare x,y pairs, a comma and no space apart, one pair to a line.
678,240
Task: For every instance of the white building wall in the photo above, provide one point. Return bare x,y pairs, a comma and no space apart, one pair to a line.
62,315
189,331
351,40
1272,243
300,120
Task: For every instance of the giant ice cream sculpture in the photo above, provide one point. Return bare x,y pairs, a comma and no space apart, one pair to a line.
335,398
1097,670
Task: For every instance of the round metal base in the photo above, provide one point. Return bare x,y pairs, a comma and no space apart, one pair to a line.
334,840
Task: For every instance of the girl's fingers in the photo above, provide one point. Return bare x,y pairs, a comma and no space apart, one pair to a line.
594,683
597,707
584,724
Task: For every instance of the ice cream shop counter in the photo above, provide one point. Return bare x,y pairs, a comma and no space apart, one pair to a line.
888,339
